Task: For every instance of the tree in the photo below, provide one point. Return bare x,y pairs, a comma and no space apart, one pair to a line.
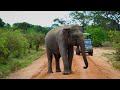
54,25
107,19
80,17
59,21
7,26
1,23
23,25
37,28
98,35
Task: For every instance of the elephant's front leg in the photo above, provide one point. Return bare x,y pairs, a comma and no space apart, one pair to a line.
70,57
63,52
49,55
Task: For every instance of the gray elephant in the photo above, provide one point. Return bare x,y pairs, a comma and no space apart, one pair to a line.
59,42
77,50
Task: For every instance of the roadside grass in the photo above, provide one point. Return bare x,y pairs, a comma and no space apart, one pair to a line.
14,64
113,60
116,64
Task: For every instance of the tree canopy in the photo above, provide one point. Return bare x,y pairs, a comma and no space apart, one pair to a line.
109,20
1,23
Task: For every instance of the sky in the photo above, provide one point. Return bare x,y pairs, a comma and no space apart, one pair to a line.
42,18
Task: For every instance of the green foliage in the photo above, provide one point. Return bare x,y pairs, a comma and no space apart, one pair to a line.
59,21
37,28
107,43
23,25
115,40
116,64
4,52
12,43
26,27
15,43
35,38
109,20
106,19
112,59
39,38
15,63
1,23
98,35
54,25
44,30
81,17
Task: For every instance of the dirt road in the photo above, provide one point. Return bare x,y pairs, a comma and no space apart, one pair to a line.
98,69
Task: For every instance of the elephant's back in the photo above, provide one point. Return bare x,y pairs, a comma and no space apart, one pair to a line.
53,33
55,30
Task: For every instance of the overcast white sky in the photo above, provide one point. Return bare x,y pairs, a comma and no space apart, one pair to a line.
43,18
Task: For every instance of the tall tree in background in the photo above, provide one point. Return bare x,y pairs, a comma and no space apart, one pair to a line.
59,21
107,19
7,25
55,25
75,17
81,17
1,23
23,25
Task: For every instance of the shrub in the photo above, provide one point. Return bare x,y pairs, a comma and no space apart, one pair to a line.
35,38
17,43
115,39
4,52
12,43
98,35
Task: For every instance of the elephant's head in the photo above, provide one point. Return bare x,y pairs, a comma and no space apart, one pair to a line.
74,36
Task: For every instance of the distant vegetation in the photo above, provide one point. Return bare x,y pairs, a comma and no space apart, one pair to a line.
18,43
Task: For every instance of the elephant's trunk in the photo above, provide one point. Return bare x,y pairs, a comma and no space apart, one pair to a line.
82,45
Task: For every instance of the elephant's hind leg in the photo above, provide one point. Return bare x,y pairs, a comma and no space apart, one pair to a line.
49,55
57,57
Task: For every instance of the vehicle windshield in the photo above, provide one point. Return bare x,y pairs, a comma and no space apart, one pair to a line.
87,41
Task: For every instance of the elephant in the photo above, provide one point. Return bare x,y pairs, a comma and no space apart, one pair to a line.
77,50
60,42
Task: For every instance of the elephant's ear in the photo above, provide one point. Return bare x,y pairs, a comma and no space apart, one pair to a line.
66,33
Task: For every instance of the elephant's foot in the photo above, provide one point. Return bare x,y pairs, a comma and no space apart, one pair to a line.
66,73
50,72
58,70
71,72
77,53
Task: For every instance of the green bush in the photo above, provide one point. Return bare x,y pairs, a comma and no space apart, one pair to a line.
4,52
115,40
17,43
16,63
98,35
12,43
107,44
35,38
